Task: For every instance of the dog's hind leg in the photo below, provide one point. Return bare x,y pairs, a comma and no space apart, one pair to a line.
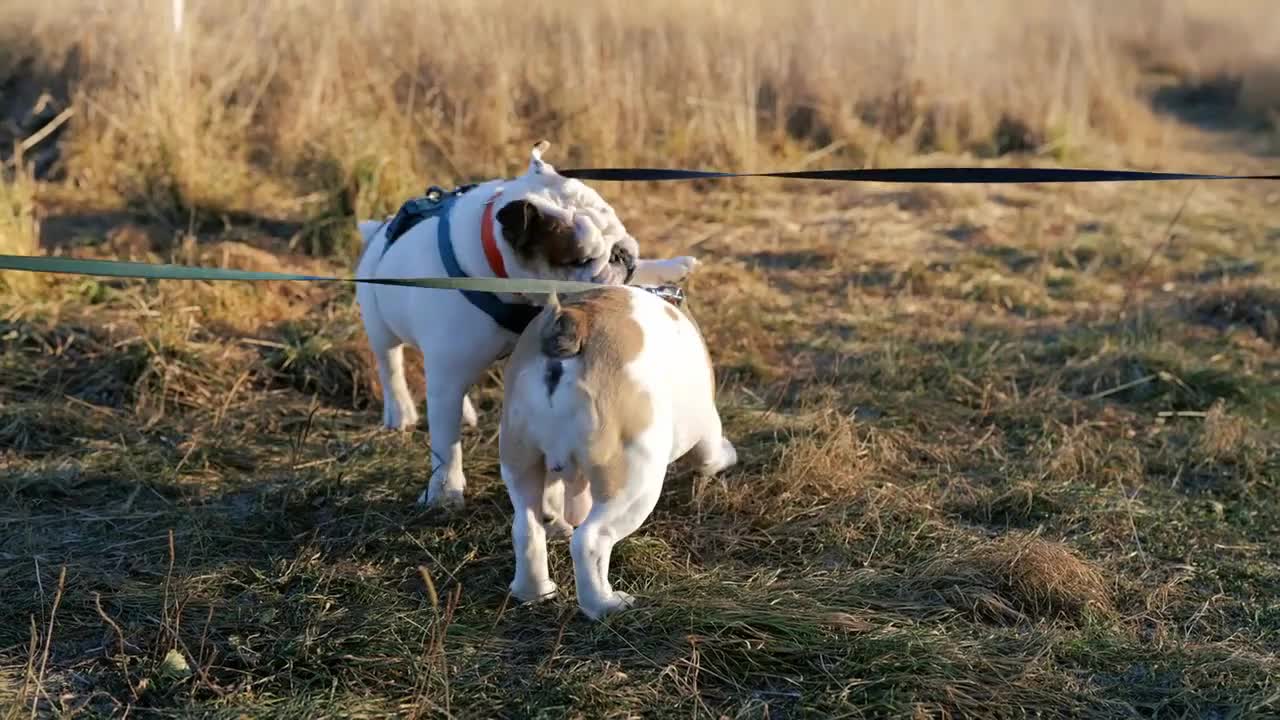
577,502
398,411
525,485
715,455
447,386
610,520
713,451
566,500
553,513
469,416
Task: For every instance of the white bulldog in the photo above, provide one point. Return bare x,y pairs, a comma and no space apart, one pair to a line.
547,227
604,390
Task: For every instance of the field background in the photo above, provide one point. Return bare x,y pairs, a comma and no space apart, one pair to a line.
1005,451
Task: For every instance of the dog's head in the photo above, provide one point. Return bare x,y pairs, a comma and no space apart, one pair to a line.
558,228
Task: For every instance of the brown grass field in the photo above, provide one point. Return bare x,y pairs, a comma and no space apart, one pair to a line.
1007,451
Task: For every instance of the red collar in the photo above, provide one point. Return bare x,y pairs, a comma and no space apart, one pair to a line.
491,251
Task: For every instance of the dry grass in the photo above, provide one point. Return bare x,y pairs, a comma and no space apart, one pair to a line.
19,228
310,109
1005,452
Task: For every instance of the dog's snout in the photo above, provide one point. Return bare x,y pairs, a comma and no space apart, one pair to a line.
623,256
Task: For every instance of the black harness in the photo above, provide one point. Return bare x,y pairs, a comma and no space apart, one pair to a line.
438,203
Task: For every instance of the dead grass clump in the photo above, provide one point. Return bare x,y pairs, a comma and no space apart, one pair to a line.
167,127
246,309
744,308
89,368
1019,577
159,371
1222,436
338,370
37,429
164,363
356,171
1222,455
1091,455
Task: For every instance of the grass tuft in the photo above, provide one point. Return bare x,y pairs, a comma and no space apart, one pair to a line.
19,227
337,370
1019,577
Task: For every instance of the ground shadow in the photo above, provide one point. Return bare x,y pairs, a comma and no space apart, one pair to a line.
136,232
1214,105
32,96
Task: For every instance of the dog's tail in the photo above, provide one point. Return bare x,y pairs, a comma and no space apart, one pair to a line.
369,228
564,331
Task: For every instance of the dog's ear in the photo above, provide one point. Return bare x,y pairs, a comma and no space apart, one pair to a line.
530,233
519,219
537,165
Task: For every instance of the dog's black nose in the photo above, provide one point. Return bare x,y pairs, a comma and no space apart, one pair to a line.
626,258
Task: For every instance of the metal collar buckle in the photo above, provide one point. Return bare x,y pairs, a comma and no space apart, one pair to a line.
670,293
435,193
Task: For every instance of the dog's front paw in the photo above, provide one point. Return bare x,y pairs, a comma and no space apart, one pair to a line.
395,417
615,602
535,592
557,528
682,267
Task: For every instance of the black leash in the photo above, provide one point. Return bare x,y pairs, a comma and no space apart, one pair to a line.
945,175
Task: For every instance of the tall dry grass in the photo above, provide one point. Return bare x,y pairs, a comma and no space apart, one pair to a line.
312,107
19,227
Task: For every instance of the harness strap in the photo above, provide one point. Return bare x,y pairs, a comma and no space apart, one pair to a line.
513,318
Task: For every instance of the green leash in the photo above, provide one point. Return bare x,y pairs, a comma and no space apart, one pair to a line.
147,271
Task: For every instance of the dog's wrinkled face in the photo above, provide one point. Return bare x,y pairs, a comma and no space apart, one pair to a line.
558,228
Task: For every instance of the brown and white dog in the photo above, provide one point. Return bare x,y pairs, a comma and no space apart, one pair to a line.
604,390
539,225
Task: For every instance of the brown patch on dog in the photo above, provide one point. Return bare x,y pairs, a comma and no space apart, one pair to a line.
597,326
532,234
671,313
